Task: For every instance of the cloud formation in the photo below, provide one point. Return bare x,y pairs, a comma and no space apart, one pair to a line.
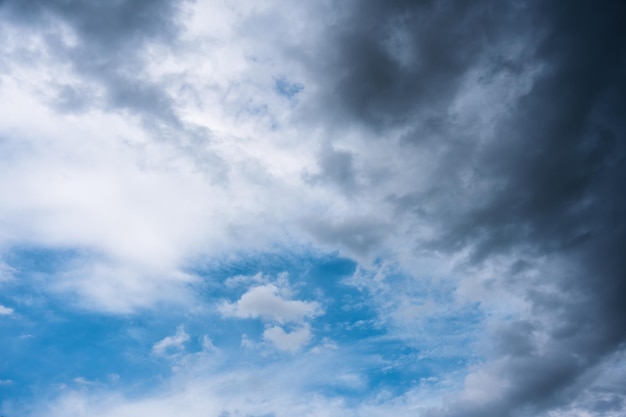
171,343
288,341
467,157
266,302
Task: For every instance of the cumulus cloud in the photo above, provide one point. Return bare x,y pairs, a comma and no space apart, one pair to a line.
267,303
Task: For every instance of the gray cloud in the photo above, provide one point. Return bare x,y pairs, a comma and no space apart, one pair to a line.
108,41
540,182
403,61
545,184
107,52
336,168
359,234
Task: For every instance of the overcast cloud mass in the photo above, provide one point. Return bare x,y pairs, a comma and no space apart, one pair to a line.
325,208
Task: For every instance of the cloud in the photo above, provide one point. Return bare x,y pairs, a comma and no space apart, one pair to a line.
336,167
115,287
359,235
467,153
207,344
108,57
5,311
280,388
267,303
288,341
533,185
171,344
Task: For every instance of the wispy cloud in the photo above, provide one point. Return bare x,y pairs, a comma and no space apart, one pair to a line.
171,344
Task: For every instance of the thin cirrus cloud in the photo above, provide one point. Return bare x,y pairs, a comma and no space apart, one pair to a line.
440,181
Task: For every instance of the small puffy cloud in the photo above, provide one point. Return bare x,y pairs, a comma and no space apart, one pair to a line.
289,342
266,302
5,311
171,343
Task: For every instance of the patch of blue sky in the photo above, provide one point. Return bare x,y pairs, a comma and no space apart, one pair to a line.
29,260
307,271
47,345
287,88
49,341
347,315
352,323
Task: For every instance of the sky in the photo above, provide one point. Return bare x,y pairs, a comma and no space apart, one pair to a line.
244,208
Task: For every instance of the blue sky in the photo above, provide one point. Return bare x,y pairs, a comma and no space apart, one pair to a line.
347,350
268,209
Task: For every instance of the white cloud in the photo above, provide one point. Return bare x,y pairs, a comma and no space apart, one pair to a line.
267,303
122,287
247,343
291,342
326,345
171,344
239,280
147,200
281,389
208,345
5,311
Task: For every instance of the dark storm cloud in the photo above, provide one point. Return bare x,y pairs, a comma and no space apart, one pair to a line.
402,61
554,170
